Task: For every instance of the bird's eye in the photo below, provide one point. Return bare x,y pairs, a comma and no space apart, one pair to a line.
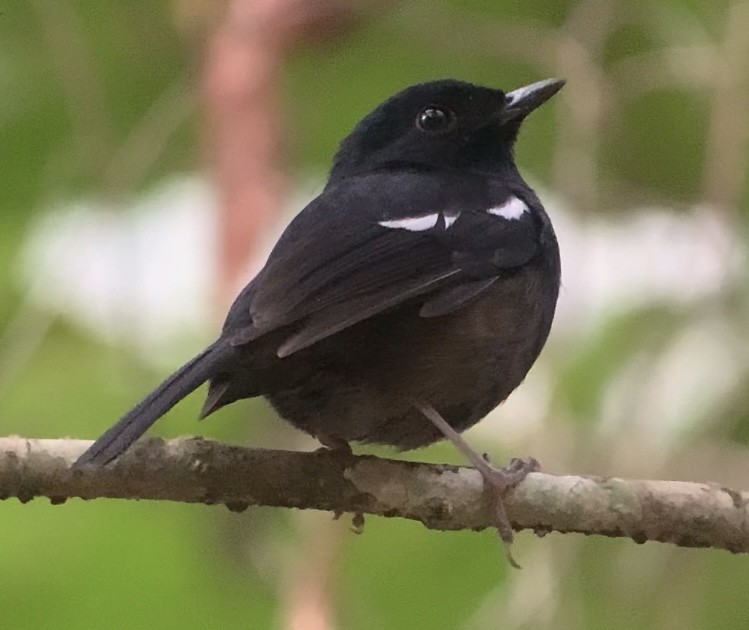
434,119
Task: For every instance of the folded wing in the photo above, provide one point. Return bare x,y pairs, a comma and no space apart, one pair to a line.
337,265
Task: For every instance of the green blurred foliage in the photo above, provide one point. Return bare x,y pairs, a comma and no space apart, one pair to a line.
78,78
666,129
583,383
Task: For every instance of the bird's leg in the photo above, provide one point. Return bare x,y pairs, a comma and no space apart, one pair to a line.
335,444
341,448
497,481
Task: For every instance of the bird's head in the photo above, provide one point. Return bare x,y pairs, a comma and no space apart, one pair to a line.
441,124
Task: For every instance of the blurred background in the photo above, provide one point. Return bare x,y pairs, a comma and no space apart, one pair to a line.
151,152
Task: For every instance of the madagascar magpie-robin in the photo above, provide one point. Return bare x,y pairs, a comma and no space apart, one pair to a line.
405,302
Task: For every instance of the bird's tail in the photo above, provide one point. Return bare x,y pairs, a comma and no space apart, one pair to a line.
137,421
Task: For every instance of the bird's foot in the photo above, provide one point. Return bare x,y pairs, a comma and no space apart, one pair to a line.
497,481
511,475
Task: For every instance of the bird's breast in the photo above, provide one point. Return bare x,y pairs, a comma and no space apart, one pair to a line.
464,364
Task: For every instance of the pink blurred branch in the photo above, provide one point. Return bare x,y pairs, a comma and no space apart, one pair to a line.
241,87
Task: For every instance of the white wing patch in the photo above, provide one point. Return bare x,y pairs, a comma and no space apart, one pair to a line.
413,224
512,209
450,219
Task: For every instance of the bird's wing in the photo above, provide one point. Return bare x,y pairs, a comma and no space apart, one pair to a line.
344,259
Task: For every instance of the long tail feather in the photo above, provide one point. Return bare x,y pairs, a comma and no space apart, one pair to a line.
137,421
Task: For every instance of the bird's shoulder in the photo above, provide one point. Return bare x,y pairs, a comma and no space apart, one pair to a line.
381,198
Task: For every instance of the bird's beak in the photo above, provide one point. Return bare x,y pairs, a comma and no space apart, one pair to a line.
521,102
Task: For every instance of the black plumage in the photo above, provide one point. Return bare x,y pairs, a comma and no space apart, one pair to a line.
426,273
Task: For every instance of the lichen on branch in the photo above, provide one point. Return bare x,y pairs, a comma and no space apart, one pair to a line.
440,496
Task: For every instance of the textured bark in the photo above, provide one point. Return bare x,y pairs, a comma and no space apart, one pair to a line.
441,497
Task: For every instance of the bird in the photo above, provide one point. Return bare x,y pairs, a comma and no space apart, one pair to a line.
406,301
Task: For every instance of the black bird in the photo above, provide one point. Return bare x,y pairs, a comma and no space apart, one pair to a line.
405,302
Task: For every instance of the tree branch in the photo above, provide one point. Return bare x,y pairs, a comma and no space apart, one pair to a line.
441,497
